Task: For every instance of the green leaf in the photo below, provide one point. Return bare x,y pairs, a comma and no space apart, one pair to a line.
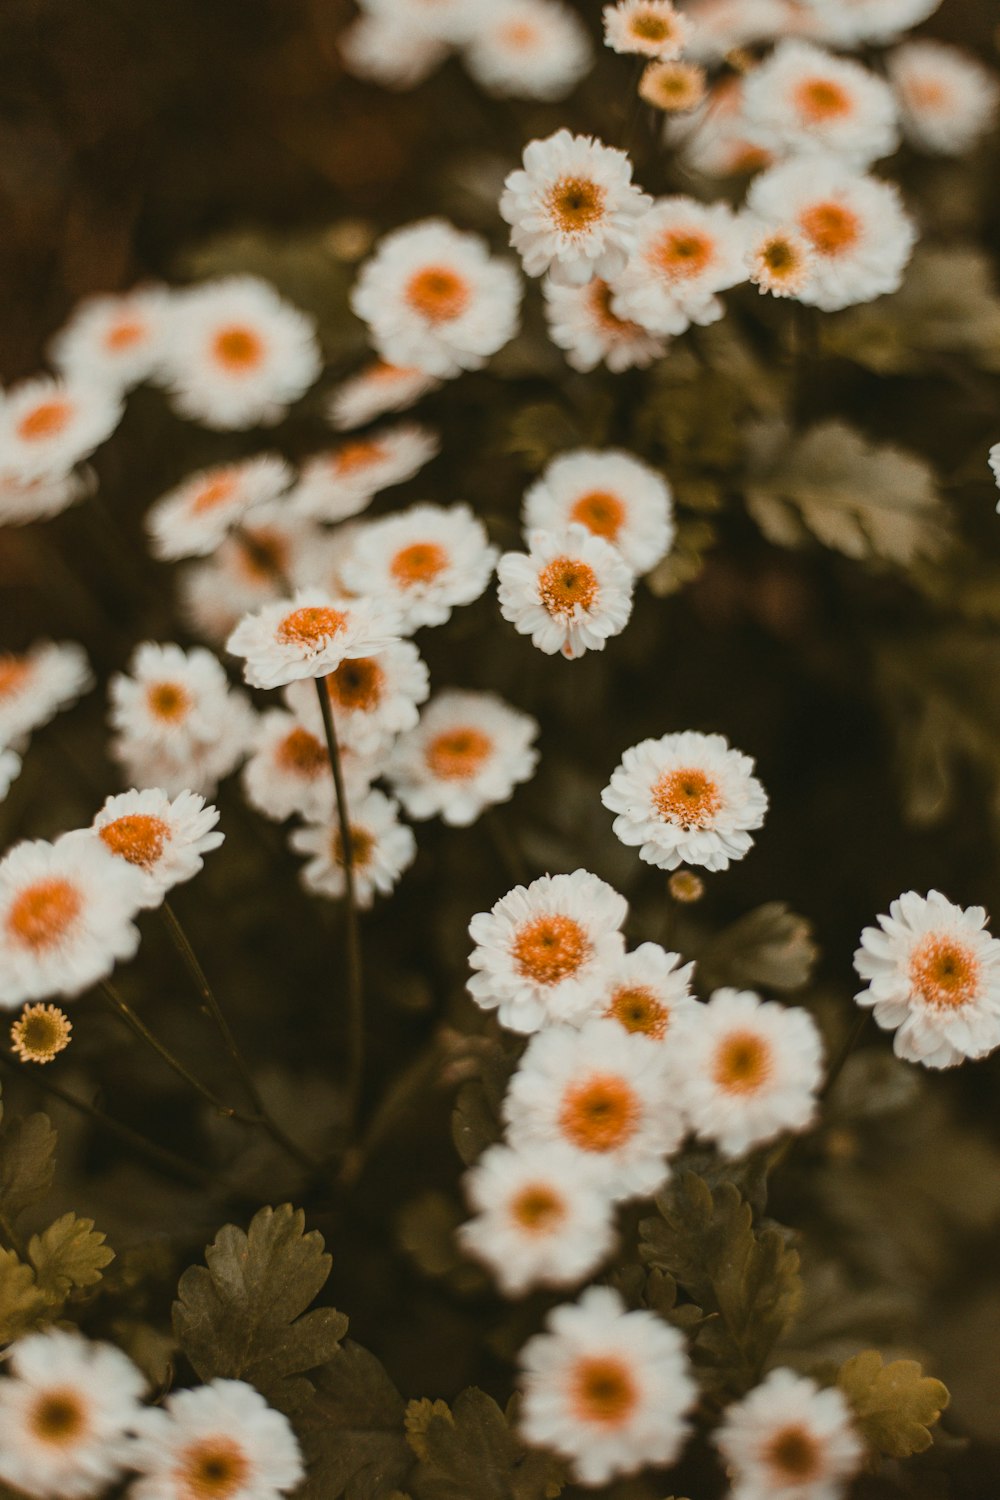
476,1121
69,1255
245,1315
895,1404
26,1163
472,1453
22,1304
770,947
352,1431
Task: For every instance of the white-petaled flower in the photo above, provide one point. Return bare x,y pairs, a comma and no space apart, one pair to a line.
10,770
714,139
381,849
605,1388
288,769
570,592
375,390
373,698
251,566
573,208
36,684
192,519
162,839
309,636
540,1218
435,299
450,21
424,561
385,51
804,99
856,227
647,992
780,261
581,321
66,914
719,27
857,23
219,1441
48,425
236,354
686,253
652,28
113,339
933,977
674,87
528,49
66,1407
748,1069
343,481
947,98
613,495
26,500
789,1440
686,799
468,752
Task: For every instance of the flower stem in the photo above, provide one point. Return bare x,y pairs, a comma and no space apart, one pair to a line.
850,1042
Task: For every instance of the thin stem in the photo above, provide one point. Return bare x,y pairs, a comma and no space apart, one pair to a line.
506,846
850,1042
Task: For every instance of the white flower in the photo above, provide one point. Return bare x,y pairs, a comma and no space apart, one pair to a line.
570,592
288,769
343,481
648,992
66,914
10,770
435,299
686,253
26,500
856,227
652,28
47,425
947,99
236,354
384,50
113,339
220,1441
309,636
251,566
714,139
162,839
747,1069
780,261
719,27
37,684
381,849
581,321
540,1218
376,389
528,49
65,1408
613,495
468,752
573,208
424,560
605,1388
373,698
804,99
192,519
675,87
933,973
686,799
855,23
450,21
789,1440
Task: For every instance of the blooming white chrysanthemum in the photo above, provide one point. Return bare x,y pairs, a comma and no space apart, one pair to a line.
540,1217
570,592
857,23
582,322
804,99
309,636
192,519
424,561
750,1069
613,495
162,839
375,390
288,769
674,87
386,51
605,1388
686,799
343,481
933,977
10,770
220,1441
65,1409
648,992
573,208
36,684
254,564
528,49
26,500
947,98
236,354
373,698
856,227
789,1440
780,261
48,425
652,28
435,299
381,849
686,253
66,914
113,339
468,752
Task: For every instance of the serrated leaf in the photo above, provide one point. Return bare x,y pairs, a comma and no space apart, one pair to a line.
22,1304
417,1420
69,1255
26,1163
472,1453
353,1431
895,1404
243,1314
771,947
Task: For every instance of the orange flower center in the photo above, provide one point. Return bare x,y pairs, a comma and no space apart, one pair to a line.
520,35
820,99
637,1009
238,348
311,625
358,455
652,26
830,228
742,1063
58,1417
794,1454
682,253
262,553
603,1391
600,305
43,913
576,203
214,493
567,584
687,798
600,1114
213,1469
123,335
550,948
438,293
458,753
421,562
168,701
13,671
944,973
601,512
302,754
357,684
45,420
137,837
927,93
362,846
538,1208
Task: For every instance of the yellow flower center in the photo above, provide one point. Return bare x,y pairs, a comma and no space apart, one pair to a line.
311,625
687,798
45,420
794,1455
830,228
167,701
458,753
637,1009
538,1208
944,973
820,99
603,1391
302,754
575,204
601,512
213,1469
43,913
438,293
550,948
238,348
357,684
600,1114
742,1063
421,562
567,584
58,1417
137,837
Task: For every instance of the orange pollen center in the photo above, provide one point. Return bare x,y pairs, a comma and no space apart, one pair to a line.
550,949
576,203
794,1454
681,253
168,701
687,797
263,554
311,625
600,1114
302,754
13,671
603,1391
362,847
567,584
214,493
123,335
651,27
239,349
213,1469
357,684
742,1063
45,420
927,93
944,973
438,293
458,753
820,99
421,562
538,1208
360,455
780,257
637,1009
520,35
601,512
57,1417
600,304
830,228
137,837
43,913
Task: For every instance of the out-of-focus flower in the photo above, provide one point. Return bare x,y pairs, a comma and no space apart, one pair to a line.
715,139
528,49
652,28
613,495
449,21
252,565
113,339
288,769
582,322
375,390
647,992
571,592
674,87
789,1440
40,1033
382,49
10,770
721,28
163,839
343,481
424,561
192,519
468,752
373,698
309,636
947,99
381,849
26,500
686,253
780,261
857,23
48,425
36,684
804,99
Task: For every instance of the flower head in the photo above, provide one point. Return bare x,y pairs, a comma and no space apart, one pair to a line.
36,684
571,592
648,992
48,425
114,340
468,752
674,87
385,50
947,99
381,849
687,252
40,1033
611,494
528,49
651,28
790,1440
309,636
375,390
343,481
424,560
162,839
192,519
582,321
805,99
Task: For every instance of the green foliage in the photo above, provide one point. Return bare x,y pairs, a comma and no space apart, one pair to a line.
895,1404
476,1120
770,947
68,1256
22,1303
471,1453
426,1229
353,1430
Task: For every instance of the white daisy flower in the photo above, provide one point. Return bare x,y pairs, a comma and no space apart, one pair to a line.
375,390
582,322
540,1219
652,28
789,1440
48,425
613,495
674,87
424,560
288,769
163,839
385,51
686,253
780,261
605,1388
948,100
343,481
468,752
251,566
113,339
686,799
192,519
857,23
804,99
309,636
66,1406
374,698
573,208
570,592
715,139
529,49
933,973
236,354
648,992
381,849
220,1441
25,500
37,684
435,299
66,914
10,770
